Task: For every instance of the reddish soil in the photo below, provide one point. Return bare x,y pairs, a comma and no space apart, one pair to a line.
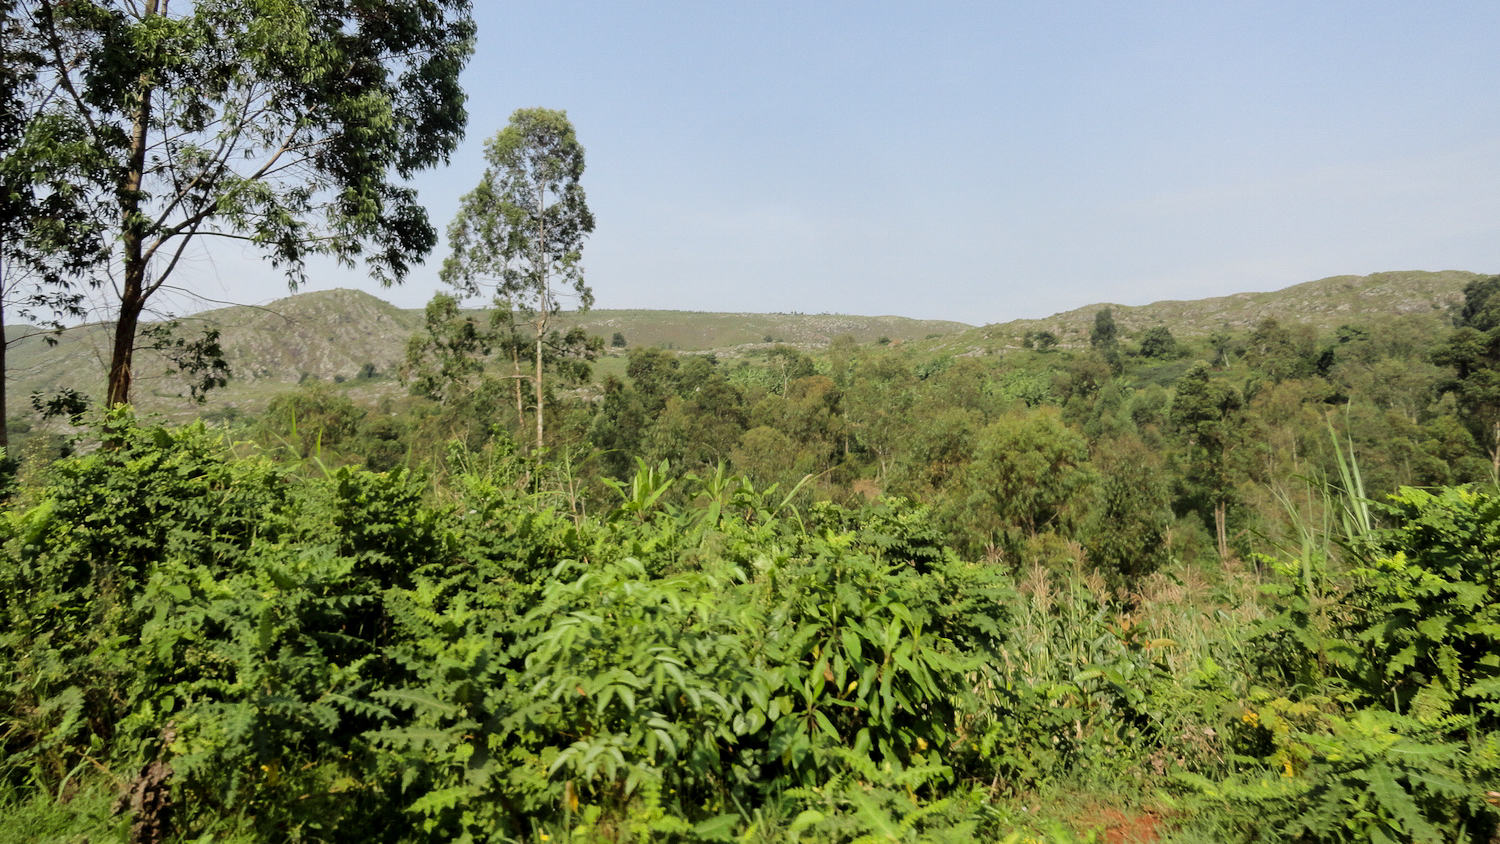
1117,826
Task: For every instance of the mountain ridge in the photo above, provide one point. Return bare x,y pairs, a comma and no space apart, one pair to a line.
1324,303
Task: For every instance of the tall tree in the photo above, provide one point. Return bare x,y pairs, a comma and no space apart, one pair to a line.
48,235
1104,338
1207,413
1473,350
520,232
279,123
1105,335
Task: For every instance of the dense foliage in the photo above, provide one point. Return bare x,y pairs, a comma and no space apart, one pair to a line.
284,125
865,595
1140,452
244,651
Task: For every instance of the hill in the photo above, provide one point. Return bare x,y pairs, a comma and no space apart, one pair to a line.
334,335
703,331
1325,304
313,335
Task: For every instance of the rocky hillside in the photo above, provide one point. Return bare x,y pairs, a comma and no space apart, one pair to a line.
314,335
1326,304
334,335
700,331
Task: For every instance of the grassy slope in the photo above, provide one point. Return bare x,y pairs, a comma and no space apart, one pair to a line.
699,331
269,348
1325,304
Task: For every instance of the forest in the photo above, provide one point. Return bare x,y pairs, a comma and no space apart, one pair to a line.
1139,583
1235,588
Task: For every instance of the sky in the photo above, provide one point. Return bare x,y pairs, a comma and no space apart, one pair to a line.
986,161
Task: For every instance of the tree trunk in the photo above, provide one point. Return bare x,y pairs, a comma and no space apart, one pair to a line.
133,292
1220,532
132,301
539,389
4,375
515,361
544,313
1495,453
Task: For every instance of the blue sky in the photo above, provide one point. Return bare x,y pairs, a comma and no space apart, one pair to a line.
990,161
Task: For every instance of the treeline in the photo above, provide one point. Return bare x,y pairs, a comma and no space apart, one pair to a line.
1123,456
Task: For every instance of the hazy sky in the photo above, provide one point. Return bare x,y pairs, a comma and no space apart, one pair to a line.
987,161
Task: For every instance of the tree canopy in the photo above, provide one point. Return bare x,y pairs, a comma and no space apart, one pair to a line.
285,124
520,233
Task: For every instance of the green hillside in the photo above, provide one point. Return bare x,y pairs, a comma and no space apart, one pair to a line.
704,331
328,335
1325,304
332,335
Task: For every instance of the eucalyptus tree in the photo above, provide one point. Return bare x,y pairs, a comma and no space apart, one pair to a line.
287,125
48,239
448,358
519,234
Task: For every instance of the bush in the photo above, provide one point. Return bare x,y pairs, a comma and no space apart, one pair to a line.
1387,730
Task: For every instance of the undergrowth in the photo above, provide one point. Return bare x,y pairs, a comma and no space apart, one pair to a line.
229,650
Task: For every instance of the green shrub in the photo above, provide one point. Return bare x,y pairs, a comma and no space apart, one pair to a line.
1386,729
